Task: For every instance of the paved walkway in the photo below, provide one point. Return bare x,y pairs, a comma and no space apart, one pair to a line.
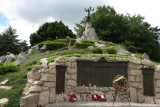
100,104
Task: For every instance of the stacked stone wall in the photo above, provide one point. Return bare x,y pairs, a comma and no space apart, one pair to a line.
42,82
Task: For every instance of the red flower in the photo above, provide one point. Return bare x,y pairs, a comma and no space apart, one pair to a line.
118,88
115,85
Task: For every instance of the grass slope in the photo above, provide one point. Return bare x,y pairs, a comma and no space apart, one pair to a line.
18,81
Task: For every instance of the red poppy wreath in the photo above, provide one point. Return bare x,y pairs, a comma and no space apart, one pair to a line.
95,97
120,83
73,98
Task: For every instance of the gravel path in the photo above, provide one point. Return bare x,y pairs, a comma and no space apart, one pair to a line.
100,104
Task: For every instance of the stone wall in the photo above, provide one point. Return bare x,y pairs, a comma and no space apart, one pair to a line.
42,82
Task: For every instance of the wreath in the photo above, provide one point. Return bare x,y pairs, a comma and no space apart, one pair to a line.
120,83
73,98
95,97
102,98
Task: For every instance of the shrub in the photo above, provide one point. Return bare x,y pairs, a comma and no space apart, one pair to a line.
88,41
8,67
55,45
111,50
64,41
97,50
84,44
77,44
60,40
72,42
111,44
52,45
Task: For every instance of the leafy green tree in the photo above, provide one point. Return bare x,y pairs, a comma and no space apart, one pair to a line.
9,42
51,31
131,31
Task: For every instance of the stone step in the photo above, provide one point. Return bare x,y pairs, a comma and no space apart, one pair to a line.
100,104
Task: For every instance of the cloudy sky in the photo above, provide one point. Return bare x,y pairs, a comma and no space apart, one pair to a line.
27,15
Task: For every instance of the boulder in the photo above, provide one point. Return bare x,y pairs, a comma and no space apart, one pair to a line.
2,59
21,58
44,60
123,52
90,47
43,49
145,56
29,52
101,45
10,57
3,102
29,101
35,47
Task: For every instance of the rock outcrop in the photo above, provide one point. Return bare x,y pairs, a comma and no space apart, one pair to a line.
88,34
21,58
10,57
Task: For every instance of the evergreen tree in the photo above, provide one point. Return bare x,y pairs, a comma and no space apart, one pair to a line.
50,31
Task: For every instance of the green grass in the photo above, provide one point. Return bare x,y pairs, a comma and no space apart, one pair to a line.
18,81
35,57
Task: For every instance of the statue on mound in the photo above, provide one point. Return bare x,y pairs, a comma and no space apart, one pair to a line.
89,33
88,10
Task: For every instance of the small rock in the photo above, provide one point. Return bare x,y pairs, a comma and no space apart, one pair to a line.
5,87
123,52
145,56
90,47
4,82
10,57
135,55
100,45
35,47
3,102
44,61
2,59
43,49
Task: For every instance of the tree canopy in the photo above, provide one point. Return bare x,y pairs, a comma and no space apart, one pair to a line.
131,31
51,31
10,43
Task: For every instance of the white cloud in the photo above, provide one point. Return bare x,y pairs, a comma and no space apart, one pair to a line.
27,15
2,28
147,8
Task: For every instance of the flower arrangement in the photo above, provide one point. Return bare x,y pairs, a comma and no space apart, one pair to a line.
120,83
73,98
